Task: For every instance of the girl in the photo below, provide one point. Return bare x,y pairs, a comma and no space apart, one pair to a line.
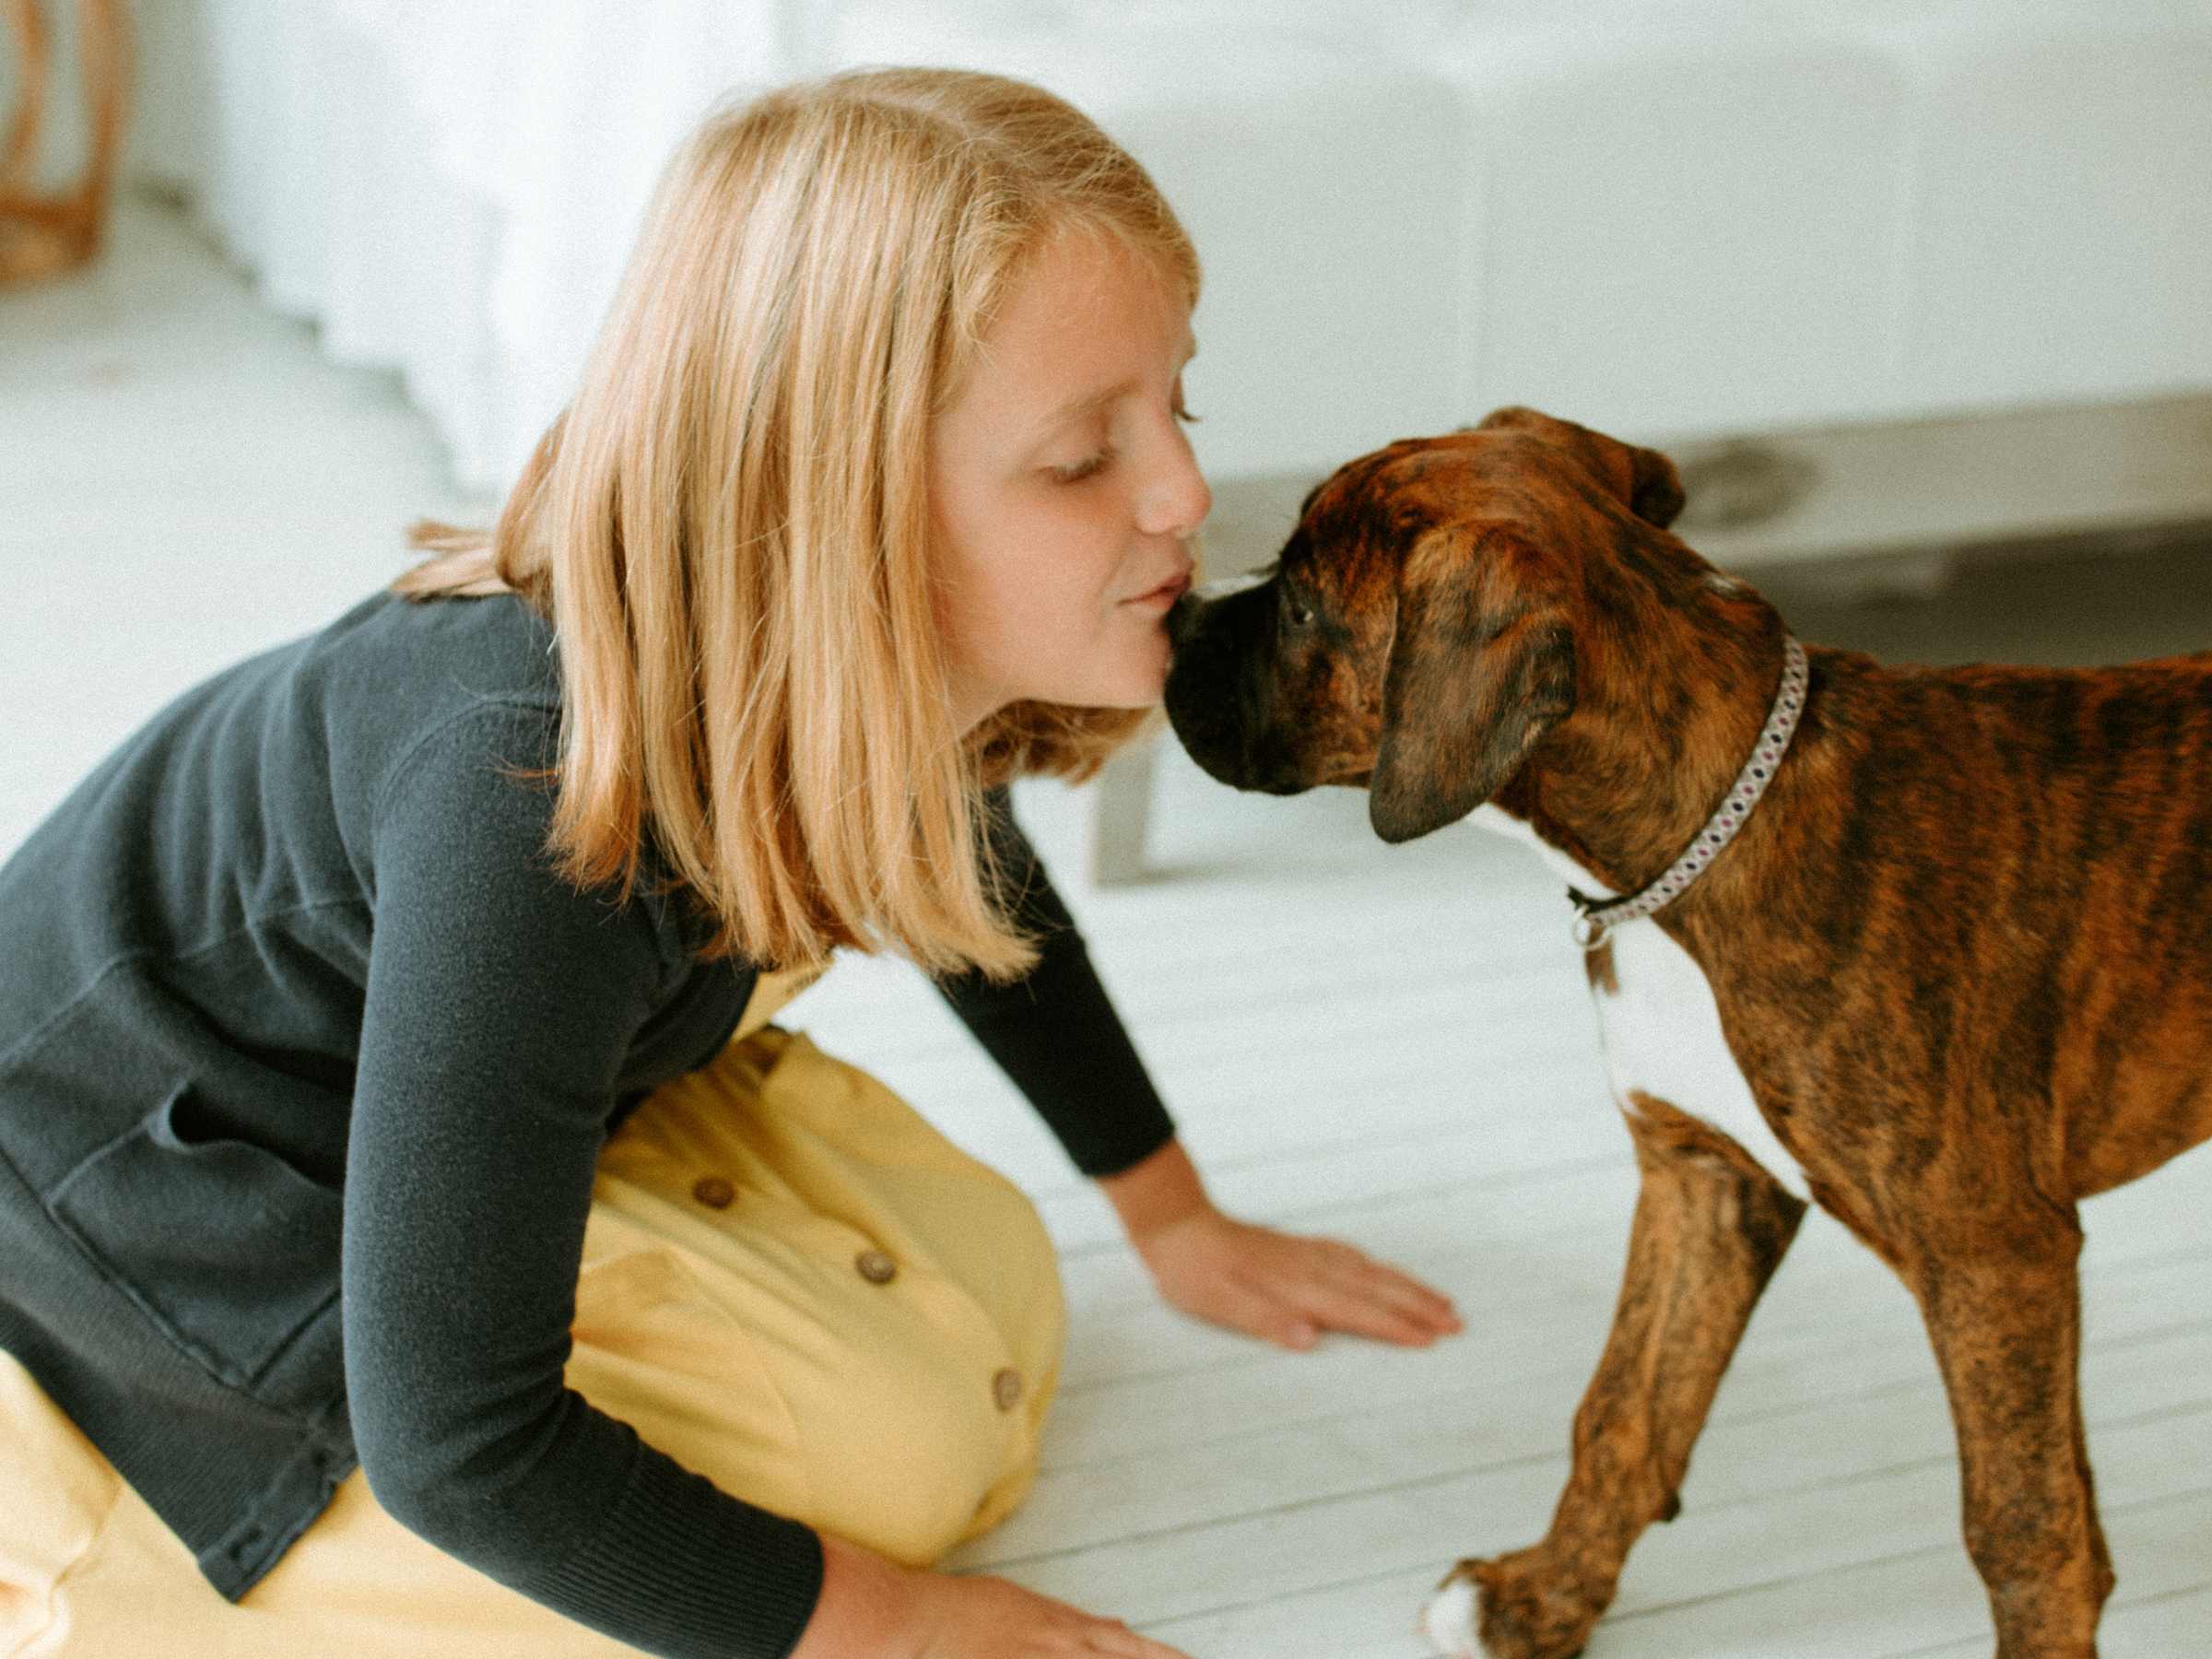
411,1228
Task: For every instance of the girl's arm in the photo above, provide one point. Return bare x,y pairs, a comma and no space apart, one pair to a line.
1057,1037
1054,1031
501,1005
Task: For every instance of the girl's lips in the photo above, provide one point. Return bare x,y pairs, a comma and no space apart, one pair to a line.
1162,599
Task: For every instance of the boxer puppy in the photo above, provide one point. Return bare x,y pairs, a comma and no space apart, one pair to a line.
1922,947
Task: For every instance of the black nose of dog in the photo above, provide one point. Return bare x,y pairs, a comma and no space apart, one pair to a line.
1183,617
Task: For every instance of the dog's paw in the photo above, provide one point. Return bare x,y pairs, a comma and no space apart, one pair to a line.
1448,1621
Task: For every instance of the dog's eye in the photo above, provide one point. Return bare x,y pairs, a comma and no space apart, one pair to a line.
1301,615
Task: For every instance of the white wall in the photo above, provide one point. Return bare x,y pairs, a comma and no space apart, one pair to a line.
1668,218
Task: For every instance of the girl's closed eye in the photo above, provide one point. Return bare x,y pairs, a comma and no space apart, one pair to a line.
1074,472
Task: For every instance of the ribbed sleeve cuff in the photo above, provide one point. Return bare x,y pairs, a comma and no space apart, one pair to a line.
1057,1038
684,1570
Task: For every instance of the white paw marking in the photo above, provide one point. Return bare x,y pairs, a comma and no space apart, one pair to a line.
1662,1032
1448,1621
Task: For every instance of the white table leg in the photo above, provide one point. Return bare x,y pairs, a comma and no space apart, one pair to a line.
1120,806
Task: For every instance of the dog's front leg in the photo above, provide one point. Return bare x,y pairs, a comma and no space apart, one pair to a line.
2004,1315
1710,1227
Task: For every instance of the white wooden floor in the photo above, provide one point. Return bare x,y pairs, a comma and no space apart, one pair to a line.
1388,1044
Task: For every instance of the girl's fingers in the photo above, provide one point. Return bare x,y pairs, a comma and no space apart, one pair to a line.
1287,1290
1112,1636
989,1617
1358,1315
1261,1311
1348,1290
1411,1300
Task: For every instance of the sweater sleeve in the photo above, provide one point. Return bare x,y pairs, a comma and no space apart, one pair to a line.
1054,1031
501,1003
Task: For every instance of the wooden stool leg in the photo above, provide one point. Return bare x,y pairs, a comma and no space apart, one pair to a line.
46,235
27,31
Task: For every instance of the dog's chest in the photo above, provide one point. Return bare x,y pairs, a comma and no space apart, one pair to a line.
1661,1026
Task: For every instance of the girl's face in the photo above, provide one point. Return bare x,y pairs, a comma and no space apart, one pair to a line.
1063,492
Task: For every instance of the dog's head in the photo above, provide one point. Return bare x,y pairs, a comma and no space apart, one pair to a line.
1418,633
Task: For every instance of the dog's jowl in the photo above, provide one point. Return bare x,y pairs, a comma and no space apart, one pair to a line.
1922,947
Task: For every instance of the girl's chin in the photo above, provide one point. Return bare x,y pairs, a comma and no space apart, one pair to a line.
1135,676
1116,697
1145,684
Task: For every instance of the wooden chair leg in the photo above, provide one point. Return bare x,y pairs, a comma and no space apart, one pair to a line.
43,235
26,33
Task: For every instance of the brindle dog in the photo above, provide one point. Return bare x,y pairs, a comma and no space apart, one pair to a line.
1956,953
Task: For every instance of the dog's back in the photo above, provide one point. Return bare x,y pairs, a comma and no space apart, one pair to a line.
2002,875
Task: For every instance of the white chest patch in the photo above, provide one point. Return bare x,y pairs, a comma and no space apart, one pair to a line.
1662,1038
1662,1029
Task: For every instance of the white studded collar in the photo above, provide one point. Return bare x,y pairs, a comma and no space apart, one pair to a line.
1596,918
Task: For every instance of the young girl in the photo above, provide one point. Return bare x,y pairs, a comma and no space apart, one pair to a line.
413,1239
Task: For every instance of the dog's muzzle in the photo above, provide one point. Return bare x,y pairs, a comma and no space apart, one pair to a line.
1217,696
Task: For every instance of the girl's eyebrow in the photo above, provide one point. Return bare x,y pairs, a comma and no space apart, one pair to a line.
1086,403
1090,403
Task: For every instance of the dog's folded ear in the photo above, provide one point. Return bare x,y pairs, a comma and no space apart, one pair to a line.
1482,667
1645,480
1656,490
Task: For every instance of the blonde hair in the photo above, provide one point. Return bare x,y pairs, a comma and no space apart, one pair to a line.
730,525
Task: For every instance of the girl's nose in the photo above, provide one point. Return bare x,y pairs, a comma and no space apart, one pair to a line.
1176,502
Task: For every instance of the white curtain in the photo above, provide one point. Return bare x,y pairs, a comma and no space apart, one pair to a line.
447,188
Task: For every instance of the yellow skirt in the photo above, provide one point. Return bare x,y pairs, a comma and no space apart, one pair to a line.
790,1284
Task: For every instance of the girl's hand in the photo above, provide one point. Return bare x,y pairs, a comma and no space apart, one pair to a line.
1286,1289
1277,1286
872,1609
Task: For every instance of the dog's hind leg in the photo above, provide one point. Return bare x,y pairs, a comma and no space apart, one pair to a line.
2003,1313
1710,1227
